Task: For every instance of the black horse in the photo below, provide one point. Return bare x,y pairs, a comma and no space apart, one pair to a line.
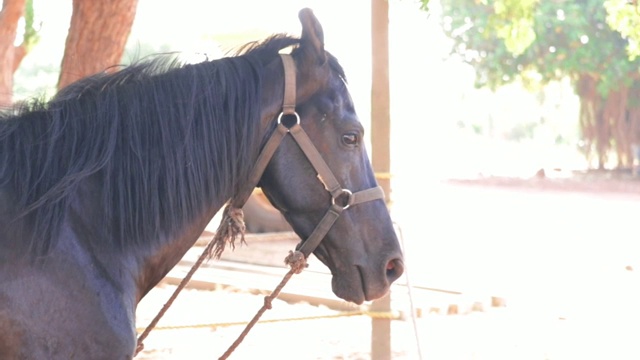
105,187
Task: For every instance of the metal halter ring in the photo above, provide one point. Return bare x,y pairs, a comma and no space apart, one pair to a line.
295,113
349,201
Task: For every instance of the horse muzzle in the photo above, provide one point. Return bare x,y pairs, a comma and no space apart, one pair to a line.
366,283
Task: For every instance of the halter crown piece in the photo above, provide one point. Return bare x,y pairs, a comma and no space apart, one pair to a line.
232,224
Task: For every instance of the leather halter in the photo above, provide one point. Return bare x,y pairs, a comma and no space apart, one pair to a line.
341,199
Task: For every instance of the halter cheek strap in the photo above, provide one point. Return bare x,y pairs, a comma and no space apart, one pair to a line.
341,199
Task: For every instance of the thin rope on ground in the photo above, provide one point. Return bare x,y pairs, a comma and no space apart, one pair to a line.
409,293
371,314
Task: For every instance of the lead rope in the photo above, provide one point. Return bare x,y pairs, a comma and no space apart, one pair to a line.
297,262
230,227
165,307
232,223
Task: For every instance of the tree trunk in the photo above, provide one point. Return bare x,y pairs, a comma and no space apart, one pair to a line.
97,36
610,124
615,116
12,11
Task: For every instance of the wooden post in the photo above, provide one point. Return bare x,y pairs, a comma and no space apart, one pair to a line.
381,159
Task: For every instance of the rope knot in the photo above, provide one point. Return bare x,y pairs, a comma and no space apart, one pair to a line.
231,227
296,261
267,303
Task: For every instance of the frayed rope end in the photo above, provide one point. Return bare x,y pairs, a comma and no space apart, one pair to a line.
231,227
296,261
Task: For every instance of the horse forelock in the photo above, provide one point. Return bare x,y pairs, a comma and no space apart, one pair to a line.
147,137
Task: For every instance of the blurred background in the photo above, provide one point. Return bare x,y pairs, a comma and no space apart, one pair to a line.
515,137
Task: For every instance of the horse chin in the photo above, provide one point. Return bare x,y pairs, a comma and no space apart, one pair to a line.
353,287
354,293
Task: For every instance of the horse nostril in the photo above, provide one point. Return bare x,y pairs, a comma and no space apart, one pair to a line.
394,269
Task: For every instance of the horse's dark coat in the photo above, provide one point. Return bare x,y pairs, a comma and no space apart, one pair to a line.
105,187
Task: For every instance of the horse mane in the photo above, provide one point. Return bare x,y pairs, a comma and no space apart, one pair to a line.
144,138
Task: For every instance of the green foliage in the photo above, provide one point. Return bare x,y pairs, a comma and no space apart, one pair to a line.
624,17
538,41
513,23
31,36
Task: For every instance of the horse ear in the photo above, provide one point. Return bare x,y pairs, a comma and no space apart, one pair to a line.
312,39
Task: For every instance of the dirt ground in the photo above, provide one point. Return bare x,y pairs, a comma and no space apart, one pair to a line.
590,182
561,250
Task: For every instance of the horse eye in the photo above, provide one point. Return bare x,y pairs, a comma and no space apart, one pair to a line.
350,139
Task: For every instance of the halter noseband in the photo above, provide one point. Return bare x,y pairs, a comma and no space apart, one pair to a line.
341,199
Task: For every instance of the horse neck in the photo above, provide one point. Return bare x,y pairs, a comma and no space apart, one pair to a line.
162,258
136,268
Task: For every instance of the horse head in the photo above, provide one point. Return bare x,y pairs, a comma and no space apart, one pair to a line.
361,248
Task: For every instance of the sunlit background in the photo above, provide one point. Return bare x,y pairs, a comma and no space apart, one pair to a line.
432,94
